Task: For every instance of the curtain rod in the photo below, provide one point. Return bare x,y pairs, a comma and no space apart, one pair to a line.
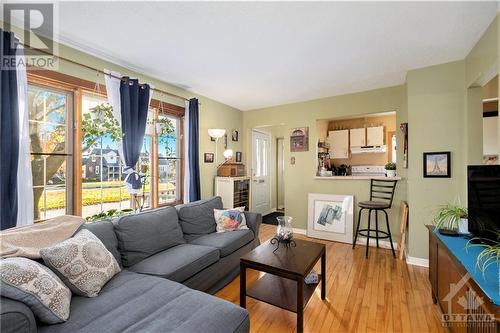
99,71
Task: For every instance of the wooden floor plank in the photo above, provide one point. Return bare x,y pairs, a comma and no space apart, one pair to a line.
378,294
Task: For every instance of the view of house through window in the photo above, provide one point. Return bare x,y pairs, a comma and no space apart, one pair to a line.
50,116
102,176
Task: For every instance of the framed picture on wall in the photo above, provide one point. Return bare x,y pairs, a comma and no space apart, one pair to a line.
437,164
330,217
299,139
208,157
238,157
234,135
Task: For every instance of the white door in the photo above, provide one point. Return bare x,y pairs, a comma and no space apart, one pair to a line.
261,186
339,144
357,137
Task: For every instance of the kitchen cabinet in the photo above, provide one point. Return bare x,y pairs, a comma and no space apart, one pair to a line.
339,144
375,136
358,137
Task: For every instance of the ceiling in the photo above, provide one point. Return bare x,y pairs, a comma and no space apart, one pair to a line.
256,54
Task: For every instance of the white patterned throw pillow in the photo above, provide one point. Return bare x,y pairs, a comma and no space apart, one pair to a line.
82,262
230,219
35,285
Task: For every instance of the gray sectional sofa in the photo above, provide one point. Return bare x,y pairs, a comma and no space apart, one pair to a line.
171,260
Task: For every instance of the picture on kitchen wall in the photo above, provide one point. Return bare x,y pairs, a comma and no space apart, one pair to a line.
404,129
299,139
330,217
238,157
437,165
209,157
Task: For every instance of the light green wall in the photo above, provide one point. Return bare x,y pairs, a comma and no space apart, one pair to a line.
299,178
212,113
436,107
483,58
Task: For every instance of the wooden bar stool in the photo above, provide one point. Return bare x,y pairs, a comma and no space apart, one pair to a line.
381,195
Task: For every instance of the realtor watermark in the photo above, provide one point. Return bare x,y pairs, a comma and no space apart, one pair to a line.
34,25
473,314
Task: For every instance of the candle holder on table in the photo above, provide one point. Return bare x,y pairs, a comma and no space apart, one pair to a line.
284,233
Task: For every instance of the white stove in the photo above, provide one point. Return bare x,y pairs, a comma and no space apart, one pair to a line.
368,170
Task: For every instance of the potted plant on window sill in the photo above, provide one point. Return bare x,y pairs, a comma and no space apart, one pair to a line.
390,169
451,220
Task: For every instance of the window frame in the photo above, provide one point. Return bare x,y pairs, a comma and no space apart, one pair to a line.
70,153
78,87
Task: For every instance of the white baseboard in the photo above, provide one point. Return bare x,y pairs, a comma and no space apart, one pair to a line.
373,243
417,261
300,231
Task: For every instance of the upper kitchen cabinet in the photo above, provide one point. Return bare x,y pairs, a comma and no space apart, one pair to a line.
375,136
339,144
358,137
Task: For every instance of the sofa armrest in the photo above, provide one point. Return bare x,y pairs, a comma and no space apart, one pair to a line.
254,220
16,317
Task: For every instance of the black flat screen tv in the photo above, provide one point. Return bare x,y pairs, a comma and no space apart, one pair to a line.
483,203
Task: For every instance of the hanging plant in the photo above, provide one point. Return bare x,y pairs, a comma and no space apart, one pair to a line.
489,255
100,122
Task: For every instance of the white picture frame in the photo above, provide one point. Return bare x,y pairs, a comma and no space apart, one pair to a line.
330,217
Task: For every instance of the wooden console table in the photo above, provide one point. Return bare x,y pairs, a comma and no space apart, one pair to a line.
468,300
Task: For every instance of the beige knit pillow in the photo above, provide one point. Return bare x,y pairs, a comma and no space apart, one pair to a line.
38,287
82,262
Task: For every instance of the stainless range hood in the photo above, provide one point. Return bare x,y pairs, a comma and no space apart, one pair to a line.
369,149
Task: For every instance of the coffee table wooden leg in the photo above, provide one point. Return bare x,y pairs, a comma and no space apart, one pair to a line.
323,276
300,305
243,285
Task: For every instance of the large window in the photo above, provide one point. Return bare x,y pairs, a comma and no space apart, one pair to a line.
98,185
169,160
102,177
51,136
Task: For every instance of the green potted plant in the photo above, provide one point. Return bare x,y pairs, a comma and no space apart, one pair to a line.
451,218
108,215
490,253
390,169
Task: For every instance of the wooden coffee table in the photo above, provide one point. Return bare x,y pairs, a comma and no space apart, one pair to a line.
283,285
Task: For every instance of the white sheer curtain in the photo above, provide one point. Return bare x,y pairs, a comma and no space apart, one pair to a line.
187,179
24,176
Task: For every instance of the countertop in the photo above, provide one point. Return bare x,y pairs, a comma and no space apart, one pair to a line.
356,177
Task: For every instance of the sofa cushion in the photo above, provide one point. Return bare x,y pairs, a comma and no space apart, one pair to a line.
178,263
82,262
144,234
227,242
133,302
104,230
38,287
197,218
230,219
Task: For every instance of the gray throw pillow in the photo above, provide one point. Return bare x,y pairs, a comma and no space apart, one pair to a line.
31,283
197,218
144,234
82,262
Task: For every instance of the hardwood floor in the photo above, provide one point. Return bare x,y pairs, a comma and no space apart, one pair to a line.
379,294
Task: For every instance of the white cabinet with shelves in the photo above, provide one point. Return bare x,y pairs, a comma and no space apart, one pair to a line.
339,144
358,137
375,136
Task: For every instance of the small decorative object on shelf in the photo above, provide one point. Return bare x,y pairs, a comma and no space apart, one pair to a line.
284,233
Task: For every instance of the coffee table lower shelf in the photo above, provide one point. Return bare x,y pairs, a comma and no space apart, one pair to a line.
280,292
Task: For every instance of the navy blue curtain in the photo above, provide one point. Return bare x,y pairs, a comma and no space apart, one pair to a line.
9,134
134,102
193,151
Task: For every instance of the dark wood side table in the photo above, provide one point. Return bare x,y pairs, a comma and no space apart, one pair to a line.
283,285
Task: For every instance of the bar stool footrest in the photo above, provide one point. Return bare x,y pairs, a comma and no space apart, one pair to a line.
385,234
